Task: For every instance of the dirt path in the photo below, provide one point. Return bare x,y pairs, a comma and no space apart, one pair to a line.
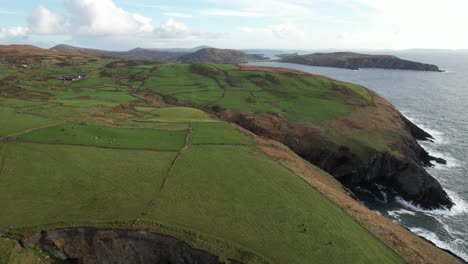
152,203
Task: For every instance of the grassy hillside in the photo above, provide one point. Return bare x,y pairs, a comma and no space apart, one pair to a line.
138,145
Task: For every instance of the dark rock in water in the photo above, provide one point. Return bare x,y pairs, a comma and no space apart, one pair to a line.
401,175
438,160
355,61
420,134
408,179
416,131
93,246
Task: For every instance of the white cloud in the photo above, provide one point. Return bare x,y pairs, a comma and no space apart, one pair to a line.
13,32
232,13
178,14
42,21
285,9
288,31
404,24
173,29
103,17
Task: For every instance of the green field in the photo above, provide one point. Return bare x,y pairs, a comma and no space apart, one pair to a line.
291,213
176,115
142,146
217,133
109,137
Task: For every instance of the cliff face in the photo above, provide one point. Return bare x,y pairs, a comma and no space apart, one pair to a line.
368,161
355,61
93,246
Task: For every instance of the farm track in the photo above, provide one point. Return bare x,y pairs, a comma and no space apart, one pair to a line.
98,147
2,160
152,203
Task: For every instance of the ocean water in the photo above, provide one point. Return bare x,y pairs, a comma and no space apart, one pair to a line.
438,103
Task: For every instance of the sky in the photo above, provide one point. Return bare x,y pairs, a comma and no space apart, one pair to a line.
238,24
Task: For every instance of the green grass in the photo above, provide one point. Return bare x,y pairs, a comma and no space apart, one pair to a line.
360,90
178,115
43,184
85,102
201,98
13,122
112,96
298,98
110,137
218,133
266,208
18,103
221,192
177,75
91,81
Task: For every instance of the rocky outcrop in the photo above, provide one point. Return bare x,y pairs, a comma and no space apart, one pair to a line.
94,246
416,131
402,173
355,61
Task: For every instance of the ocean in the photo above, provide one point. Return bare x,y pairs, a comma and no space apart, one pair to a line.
438,103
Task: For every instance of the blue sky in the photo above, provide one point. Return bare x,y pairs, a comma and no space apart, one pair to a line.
285,24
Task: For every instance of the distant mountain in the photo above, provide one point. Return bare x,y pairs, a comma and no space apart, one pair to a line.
148,54
134,54
182,50
354,61
213,55
197,54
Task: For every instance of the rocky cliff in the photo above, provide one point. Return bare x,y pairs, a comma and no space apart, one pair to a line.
397,165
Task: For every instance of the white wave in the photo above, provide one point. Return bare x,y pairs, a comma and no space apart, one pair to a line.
396,213
452,231
460,207
451,161
439,139
460,241
436,240
437,135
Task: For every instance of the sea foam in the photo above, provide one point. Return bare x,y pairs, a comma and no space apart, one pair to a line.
437,241
460,207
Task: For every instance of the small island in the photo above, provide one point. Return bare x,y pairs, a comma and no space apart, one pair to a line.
356,61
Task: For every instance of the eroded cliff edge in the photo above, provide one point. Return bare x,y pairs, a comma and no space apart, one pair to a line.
374,148
106,246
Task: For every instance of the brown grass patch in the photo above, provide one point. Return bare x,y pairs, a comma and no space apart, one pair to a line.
365,119
102,117
149,99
